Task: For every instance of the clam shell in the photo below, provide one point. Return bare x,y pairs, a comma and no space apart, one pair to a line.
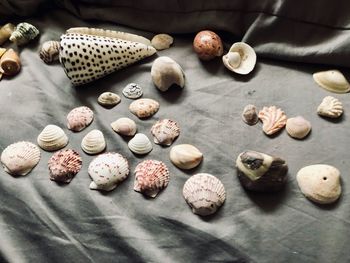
49,51
52,138
166,72
298,127
162,41
165,132
140,144
330,107
132,91
93,142
249,115
5,32
204,193
10,63
107,171
185,156
20,158
64,165
79,118
144,108
332,80
151,177
108,99
273,119
24,33
124,126
208,45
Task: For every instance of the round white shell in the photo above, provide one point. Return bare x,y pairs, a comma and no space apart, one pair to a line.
185,156
79,118
132,91
332,80
162,41
241,58
165,132
124,126
330,107
52,138
94,142
144,108
140,144
108,99
298,127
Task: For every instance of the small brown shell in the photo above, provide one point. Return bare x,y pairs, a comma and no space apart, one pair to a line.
208,45
165,131
79,118
5,32
144,108
249,115
49,51
273,119
10,63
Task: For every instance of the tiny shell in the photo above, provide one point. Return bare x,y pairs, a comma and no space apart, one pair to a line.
273,119
49,51
298,127
94,142
140,144
330,107
10,63
52,138
208,45
108,99
132,91
151,177
144,108
162,41
124,126
24,33
166,72
64,165
332,80
107,171
165,132
5,32
204,193
185,156
20,158
79,118
249,115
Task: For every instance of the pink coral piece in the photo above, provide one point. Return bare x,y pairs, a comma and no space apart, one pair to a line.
273,119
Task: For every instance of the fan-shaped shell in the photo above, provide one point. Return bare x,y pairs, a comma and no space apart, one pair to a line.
332,80
144,108
49,51
298,127
162,41
165,131
204,193
273,119
10,63
208,45
5,32
185,156
52,138
132,91
249,115
151,177
24,33
124,126
108,99
94,142
330,107
107,171
140,144
64,165
79,118
20,158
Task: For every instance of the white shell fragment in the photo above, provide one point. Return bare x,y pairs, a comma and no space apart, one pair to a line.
166,72
94,142
273,118
108,99
132,91
204,193
52,138
249,115
330,107
79,118
140,144
185,156
124,126
165,132
332,80
20,158
298,127
162,41
144,108
49,51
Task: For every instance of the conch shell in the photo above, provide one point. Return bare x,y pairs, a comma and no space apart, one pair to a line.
24,33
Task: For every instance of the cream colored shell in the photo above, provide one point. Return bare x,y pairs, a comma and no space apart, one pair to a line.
94,142
273,119
330,107
332,80
162,41
124,126
298,127
144,108
108,99
52,138
140,144
185,156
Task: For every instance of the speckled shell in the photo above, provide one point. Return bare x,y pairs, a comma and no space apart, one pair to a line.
151,177
298,127
20,158
79,118
204,193
107,171
94,142
332,80
132,91
24,33
140,144
185,156
86,58
10,63
273,119
165,132
64,165
144,108
49,51
162,41
208,45
5,32
108,99
249,115
124,126
52,138
330,107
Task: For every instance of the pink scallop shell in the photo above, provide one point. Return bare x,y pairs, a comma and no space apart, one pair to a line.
79,118
165,132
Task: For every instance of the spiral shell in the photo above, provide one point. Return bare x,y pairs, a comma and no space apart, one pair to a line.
24,33
10,63
144,108
5,32
79,118
165,131
124,126
140,144
94,142
108,99
49,51
52,138
330,107
273,119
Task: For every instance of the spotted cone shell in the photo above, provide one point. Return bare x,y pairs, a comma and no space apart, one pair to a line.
144,108
124,126
273,119
165,131
79,118
52,138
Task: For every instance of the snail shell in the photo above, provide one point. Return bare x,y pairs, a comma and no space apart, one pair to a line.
49,51
5,32
10,63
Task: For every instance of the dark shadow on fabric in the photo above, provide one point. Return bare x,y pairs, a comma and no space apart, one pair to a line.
333,120
173,94
245,78
191,171
211,66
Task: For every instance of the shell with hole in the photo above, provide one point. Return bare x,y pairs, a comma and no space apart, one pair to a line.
124,126
185,156
108,99
140,144
208,45
144,108
298,127
162,41
332,80
79,118
52,138
273,118
49,51
10,63
5,32
24,33
94,142
165,132
330,107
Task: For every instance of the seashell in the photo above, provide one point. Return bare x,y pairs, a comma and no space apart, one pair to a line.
151,177
185,156
241,58
166,72
165,132
298,127
24,33
5,32
204,193
93,142
261,172
273,119
10,63
49,51
86,58
52,138
20,158
2,51
140,144
79,118
108,99
107,171
332,80
144,108
320,183
124,126
64,165
249,115
208,45
132,91
162,41
330,107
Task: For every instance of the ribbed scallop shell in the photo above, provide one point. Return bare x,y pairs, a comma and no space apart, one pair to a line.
185,156
204,193
108,99
52,138
132,91
49,51
23,33
144,108
124,126
64,165
94,142
298,127
151,177
107,171
165,131
79,118
140,144
20,158
330,107
273,119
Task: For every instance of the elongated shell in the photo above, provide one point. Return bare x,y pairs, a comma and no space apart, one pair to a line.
20,158
332,80
140,144
124,126
162,41
24,33
108,99
273,119
49,51
64,165
204,193
165,131
185,156
298,127
79,118
52,138
144,108
107,171
330,107
94,142
10,63
151,177
5,32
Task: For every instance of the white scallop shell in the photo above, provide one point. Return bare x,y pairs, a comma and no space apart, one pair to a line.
52,138
140,144
49,51
165,132
273,119
144,108
332,80
162,41
298,127
108,99
330,107
79,118
124,126
94,142
185,156
132,91
20,158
